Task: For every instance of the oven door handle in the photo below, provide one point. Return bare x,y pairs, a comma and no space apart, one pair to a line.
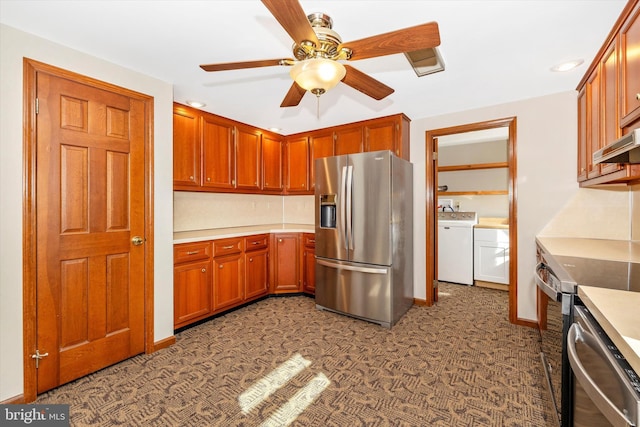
602,402
544,286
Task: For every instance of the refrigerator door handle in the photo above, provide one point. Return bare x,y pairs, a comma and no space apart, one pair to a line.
369,270
343,213
348,218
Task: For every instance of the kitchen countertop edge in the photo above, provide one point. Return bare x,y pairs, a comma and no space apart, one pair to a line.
616,312
192,236
612,250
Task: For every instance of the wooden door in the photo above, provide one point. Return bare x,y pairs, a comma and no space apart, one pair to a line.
286,262
249,159
610,129
381,135
228,281
90,186
271,163
320,145
192,297
186,147
256,277
218,153
630,69
297,169
349,140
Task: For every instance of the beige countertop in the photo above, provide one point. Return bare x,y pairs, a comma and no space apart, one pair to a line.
487,222
618,314
612,250
221,233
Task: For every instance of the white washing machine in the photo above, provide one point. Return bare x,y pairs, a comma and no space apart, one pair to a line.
455,246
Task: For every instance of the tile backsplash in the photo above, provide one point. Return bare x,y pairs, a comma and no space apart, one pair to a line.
201,211
608,212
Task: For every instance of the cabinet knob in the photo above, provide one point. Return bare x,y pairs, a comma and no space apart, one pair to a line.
204,270
638,96
220,266
250,259
208,179
280,240
190,178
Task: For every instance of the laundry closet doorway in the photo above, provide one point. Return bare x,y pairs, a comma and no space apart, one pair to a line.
504,196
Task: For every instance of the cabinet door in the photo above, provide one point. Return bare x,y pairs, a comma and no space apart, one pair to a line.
228,281
297,161
309,270
593,118
320,145
584,151
218,153
610,128
186,147
191,292
286,262
249,159
271,163
630,68
382,135
256,277
349,140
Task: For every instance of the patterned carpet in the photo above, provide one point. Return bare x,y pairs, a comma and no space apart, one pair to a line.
283,362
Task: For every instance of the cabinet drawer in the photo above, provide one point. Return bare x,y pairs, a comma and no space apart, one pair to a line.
186,252
309,240
259,241
227,246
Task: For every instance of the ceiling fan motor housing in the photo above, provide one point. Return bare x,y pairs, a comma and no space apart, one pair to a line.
329,41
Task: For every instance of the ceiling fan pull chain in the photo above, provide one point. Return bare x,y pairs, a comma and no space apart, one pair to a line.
318,106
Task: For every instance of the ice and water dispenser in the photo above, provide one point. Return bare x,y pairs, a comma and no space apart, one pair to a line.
328,211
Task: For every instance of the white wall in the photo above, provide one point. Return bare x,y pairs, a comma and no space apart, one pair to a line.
14,45
546,144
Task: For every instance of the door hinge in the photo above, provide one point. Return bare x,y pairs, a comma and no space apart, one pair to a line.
435,155
37,106
38,356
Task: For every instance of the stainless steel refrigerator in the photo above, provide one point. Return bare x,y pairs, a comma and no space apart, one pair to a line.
364,236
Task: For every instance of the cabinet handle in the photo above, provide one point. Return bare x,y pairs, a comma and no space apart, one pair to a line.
227,247
233,182
204,270
192,252
255,243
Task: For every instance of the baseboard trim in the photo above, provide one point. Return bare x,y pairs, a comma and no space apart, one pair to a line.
164,343
19,399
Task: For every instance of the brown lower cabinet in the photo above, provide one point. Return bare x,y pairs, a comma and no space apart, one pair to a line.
217,275
309,263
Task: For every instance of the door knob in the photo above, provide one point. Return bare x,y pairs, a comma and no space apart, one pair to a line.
137,240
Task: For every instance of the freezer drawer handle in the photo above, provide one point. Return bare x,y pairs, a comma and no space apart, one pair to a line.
369,270
602,402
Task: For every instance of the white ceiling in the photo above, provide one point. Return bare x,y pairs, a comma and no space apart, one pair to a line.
494,51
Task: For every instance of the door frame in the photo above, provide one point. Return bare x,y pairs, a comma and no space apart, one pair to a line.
31,68
431,216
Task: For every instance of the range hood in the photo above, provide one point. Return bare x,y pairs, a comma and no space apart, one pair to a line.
624,150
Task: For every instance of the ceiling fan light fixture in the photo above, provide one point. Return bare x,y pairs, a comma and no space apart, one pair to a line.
317,75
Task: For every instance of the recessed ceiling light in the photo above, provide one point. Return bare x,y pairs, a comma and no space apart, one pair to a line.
196,104
275,129
566,66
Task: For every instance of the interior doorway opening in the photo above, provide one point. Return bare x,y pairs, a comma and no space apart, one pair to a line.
464,134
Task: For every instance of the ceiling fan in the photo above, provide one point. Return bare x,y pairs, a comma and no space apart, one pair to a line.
317,49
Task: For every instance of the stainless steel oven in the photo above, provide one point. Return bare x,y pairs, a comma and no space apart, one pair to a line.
557,279
606,390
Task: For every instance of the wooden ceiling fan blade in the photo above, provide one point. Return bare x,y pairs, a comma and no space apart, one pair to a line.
244,64
406,40
292,18
366,84
294,96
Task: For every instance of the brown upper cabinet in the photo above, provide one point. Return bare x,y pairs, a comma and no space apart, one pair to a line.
216,154
609,101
